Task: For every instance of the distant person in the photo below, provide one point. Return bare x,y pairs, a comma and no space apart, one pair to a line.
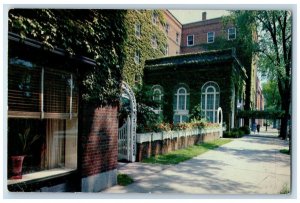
254,127
258,128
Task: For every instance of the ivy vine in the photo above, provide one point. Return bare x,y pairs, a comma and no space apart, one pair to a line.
97,34
132,71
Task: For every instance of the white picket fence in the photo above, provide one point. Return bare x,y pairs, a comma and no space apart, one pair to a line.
124,141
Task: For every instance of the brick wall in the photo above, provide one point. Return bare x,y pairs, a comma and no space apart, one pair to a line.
200,30
163,146
174,27
99,140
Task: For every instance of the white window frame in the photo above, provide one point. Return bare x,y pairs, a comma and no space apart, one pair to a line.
138,29
187,40
215,93
167,50
157,89
231,33
154,18
213,37
137,57
185,111
167,28
154,41
177,38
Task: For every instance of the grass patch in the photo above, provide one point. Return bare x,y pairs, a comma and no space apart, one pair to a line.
284,151
124,179
181,155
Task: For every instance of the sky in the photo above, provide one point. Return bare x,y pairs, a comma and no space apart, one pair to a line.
188,16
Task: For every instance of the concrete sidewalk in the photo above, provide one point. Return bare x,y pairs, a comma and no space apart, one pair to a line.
249,165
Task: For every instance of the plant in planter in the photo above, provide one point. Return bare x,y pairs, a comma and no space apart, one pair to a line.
24,142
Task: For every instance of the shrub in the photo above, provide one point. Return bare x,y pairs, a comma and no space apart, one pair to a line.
234,133
196,112
124,179
245,129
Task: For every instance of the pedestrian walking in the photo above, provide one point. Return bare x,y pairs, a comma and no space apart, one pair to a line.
254,127
258,128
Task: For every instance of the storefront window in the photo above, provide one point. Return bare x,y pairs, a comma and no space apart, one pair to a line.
42,103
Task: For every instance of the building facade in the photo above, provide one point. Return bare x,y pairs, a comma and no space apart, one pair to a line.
173,29
210,80
72,144
213,34
173,38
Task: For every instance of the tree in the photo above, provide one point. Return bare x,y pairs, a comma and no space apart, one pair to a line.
271,95
274,40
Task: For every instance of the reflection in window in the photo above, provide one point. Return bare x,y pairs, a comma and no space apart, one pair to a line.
45,101
231,33
210,37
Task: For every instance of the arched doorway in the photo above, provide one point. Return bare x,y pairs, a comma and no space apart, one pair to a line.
127,132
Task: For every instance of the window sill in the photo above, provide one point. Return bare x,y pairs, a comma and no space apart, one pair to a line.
181,112
41,175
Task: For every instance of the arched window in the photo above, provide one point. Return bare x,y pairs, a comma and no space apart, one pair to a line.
181,98
181,102
210,100
157,96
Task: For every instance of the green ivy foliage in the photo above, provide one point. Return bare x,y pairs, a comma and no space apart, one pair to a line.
133,72
97,34
270,114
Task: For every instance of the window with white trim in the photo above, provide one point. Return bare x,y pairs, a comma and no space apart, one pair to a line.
137,30
167,28
177,37
137,58
42,103
181,102
190,40
231,33
154,41
154,18
157,96
166,50
210,98
210,37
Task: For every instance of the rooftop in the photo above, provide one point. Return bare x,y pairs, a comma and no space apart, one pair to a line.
203,58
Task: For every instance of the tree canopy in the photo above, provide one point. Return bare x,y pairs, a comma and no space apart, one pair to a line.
273,45
272,99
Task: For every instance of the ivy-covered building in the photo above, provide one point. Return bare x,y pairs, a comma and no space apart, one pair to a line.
157,33
64,75
213,34
145,39
208,80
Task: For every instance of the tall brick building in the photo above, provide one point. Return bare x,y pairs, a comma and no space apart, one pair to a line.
201,36
198,36
173,29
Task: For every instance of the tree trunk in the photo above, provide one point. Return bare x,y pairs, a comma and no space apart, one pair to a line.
283,127
284,121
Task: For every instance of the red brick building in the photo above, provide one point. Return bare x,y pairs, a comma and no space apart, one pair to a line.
173,29
197,36
77,146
